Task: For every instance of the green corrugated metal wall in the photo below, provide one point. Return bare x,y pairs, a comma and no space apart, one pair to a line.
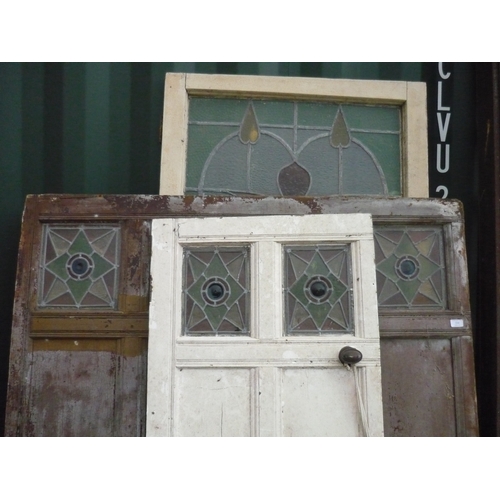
95,128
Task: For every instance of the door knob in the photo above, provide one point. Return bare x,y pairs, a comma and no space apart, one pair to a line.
350,356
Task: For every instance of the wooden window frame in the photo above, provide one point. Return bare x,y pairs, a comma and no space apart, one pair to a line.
411,96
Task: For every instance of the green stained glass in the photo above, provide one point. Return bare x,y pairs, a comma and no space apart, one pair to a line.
80,245
101,266
318,290
79,266
406,247
428,290
317,114
57,289
58,266
425,245
197,267
270,147
235,266
216,267
388,267
387,290
78,289
427,268
386,245
216,297
99,290
194,292
337,314
409,289
298,289
317,266
102,243
60,244
66,233
299,314
299,265
215,315
197,316
319,312
234,317
410,267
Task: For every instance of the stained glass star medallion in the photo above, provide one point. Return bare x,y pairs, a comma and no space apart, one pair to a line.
318,290
79,266
216,293
410,267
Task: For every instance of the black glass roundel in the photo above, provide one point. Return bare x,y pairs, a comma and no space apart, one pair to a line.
215,291
407,267
79,266
318,289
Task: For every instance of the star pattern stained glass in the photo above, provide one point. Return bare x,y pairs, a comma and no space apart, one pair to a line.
410,267
318,297
216,291
79,266
266,147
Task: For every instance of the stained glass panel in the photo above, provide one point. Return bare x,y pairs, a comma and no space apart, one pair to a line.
410,267
216,291
318,290
267,147
79,266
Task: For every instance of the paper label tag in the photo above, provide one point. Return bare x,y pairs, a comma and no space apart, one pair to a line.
457,323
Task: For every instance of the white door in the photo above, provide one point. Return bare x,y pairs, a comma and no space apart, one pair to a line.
247,318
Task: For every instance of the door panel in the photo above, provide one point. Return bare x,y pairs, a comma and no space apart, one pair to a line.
417,400
214,402
276,372
319,402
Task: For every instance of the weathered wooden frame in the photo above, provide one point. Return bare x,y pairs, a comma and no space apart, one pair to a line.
402,333
411,96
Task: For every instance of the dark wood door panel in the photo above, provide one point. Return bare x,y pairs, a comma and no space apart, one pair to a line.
67,354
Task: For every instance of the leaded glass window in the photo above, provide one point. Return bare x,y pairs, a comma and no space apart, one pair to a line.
410,267
216,291
318,290
79,266
271,147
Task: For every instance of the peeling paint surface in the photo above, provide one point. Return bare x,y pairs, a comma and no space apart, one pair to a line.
417,376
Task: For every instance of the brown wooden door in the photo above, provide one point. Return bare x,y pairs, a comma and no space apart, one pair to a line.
81,370
82,298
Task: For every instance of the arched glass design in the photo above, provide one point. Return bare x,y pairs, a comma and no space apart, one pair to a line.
292,148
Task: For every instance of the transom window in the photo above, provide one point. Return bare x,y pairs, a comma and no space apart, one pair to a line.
292,148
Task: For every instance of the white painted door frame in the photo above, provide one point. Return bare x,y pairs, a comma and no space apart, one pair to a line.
263,373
